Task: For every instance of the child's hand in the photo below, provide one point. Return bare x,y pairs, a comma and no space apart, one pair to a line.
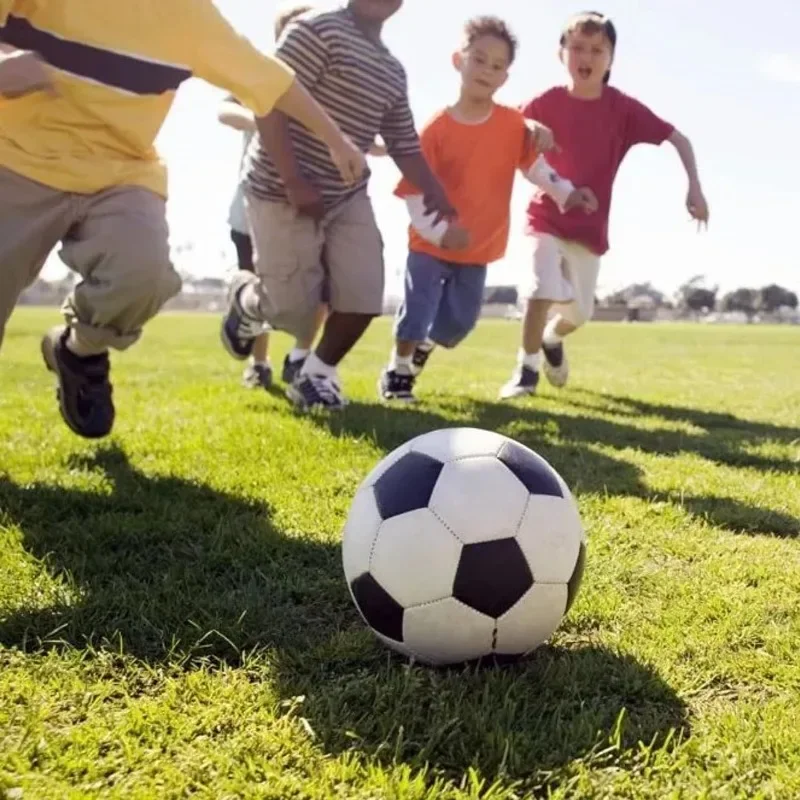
305,199
24,72
697,205
540,137
455,238
350,161
583,198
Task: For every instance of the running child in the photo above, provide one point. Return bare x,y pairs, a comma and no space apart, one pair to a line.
595,125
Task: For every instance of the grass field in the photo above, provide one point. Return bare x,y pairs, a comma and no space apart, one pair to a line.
174,619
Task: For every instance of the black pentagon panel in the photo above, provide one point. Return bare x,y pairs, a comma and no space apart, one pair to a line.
534,473
574,582
407,485
381,611
492,576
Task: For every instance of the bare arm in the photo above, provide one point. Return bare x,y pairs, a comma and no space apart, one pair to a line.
274,132
416,170
686,152
236,116
696,203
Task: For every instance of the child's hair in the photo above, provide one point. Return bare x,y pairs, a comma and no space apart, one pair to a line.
287,14
590,22
478,27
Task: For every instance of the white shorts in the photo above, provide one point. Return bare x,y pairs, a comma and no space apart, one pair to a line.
566,273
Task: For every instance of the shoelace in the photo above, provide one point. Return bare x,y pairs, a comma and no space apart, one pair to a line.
318,387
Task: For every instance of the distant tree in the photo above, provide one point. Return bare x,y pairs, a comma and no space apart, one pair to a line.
773,297
695,296
743,300
637,293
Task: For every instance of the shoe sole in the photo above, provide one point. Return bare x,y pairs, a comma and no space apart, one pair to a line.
51,362
388,397
300,404
517,393
226,343
556,376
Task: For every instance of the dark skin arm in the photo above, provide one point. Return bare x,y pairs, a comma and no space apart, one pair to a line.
274,132
416,170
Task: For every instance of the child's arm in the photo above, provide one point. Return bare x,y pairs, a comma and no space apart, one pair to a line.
695,199
236,116
440,232
561,190
22,72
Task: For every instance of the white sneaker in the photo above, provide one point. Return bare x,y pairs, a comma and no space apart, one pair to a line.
309,392
556,366
523,382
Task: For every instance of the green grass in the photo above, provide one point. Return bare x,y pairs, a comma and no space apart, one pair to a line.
174,620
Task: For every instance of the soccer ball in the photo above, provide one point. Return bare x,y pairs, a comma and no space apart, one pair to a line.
462,544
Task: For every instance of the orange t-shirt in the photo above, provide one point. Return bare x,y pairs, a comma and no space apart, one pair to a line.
476,163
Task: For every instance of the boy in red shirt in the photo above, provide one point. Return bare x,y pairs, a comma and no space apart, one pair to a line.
474,148
595,125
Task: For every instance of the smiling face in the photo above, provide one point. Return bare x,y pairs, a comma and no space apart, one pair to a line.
375,11
588,57
483,66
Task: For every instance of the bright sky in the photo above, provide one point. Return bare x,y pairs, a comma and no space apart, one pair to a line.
730,81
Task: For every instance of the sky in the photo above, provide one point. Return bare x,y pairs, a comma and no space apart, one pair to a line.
729,81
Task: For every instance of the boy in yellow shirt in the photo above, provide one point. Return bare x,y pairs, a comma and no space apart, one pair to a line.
85,86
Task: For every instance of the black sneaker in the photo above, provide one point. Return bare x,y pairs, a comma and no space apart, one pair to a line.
556,366
524,381
394,385
291,369
310,392
257,376
420,358
84,391
239,330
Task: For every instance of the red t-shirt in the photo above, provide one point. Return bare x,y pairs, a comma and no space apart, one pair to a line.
594,137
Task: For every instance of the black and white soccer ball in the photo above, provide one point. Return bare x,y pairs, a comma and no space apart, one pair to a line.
463,544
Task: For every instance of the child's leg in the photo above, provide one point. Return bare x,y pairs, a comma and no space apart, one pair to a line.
548,284
261,349
461,305
582,268
422,294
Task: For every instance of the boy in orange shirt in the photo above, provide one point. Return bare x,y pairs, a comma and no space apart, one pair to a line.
475,148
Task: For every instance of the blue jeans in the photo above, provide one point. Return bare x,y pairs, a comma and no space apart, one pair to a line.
442,300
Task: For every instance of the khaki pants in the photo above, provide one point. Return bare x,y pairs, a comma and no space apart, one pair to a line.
116,240
296,257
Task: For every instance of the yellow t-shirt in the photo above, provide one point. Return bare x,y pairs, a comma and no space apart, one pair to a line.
116,67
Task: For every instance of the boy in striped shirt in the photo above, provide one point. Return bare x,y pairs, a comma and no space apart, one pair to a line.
299,207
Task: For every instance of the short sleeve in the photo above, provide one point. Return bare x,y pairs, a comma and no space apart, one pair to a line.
533,108
303,49
398,128
429,145
643,126
520,133
228,60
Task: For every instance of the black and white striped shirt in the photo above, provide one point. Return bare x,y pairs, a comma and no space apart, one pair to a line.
359,83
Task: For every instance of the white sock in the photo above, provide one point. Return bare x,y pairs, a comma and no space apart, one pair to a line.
79,348
265,363
427,345
316,366
402,364
298,354
531,360
551,338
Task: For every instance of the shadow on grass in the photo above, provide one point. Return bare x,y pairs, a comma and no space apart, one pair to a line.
570,444
170,571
